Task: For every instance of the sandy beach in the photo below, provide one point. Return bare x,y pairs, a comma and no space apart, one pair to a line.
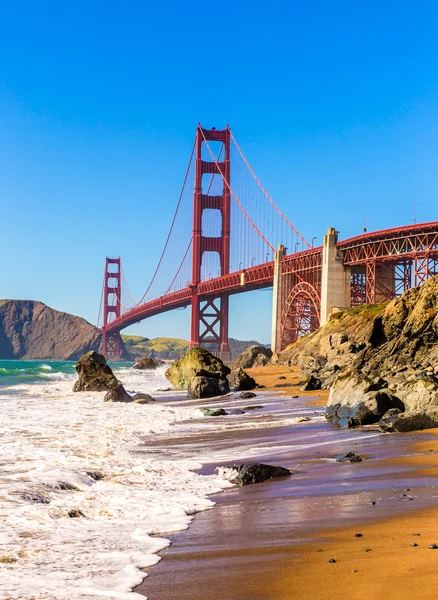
274,541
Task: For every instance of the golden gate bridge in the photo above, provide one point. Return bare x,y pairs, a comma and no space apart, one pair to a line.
227,236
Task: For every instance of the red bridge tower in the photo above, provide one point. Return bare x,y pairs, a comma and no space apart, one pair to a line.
112,297
209,319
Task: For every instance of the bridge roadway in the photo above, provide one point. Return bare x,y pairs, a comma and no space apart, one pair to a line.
413,244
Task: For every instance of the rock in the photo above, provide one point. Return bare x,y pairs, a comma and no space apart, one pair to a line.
148,364
256,473
409,421
213,412
420,393
94,374
351,457
284,385
281,377
239,380
207,387
355,399
117,394
237,411
254,407
433,546
191,363
247,395
142,398
311,384
75,514
254,356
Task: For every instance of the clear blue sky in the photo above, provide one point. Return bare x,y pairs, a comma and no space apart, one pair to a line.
334,104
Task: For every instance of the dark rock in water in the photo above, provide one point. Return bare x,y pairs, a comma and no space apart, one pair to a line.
164,390
237,411
433,546
214,412
254,356
191,363
349,457
147,364
75,514
96,475
239,380
207,387
117,394
409,421
142,398
246,395
94,374
311,384
257,473
281,377
332,560
253,407
36,497
284,385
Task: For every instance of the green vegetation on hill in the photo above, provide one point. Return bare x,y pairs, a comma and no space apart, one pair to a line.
172,348
161,347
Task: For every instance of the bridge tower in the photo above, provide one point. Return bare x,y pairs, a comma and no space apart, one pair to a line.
209,318
112,296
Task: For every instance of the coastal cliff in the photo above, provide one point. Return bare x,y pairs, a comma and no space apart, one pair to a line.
379,337
31,330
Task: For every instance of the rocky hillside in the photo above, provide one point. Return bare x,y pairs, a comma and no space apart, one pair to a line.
32,330
379,337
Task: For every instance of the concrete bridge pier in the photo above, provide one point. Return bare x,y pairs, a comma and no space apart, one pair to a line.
335,277
276,298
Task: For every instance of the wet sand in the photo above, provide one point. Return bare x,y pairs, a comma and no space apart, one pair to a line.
274,540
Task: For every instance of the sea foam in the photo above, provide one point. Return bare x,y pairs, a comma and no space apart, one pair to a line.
79,500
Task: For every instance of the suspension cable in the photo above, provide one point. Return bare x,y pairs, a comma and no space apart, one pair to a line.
234,195
171,227
264,190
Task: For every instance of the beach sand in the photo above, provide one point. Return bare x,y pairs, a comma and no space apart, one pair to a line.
273,541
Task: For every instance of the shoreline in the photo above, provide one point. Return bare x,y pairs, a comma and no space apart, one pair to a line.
259,542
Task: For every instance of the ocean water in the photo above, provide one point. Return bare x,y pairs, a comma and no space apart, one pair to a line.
79,499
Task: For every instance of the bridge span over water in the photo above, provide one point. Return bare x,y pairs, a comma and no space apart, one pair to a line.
229,237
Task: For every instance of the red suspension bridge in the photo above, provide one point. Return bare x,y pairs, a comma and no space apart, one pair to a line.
228,236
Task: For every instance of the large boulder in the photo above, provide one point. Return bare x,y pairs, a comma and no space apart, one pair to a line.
147,364
201,386
419,392
118,394
356,399
94,374
239,380
252,473
194,361
254,356
409,421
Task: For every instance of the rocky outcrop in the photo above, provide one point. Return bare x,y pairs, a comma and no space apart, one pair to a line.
254,356
394,420
32,330
381,338
94,374
202,386
147,364
118,394
376,358
355,399
196,362
239,380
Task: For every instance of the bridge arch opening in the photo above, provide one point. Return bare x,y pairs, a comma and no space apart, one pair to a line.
212,184
301,313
